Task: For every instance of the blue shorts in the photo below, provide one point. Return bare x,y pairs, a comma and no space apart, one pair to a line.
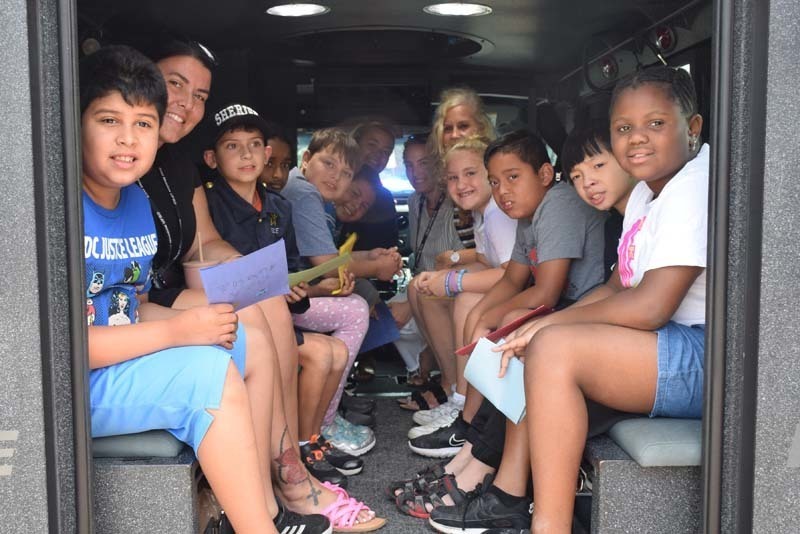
679,391
170,390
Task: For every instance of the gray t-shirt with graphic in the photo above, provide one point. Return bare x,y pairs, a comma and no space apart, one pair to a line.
564,226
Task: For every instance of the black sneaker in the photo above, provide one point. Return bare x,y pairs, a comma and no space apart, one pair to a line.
288,522
357,404
345,463
479,511
441,443
358,418
318,466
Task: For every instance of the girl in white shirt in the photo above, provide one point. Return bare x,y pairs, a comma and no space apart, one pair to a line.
635,344
468,186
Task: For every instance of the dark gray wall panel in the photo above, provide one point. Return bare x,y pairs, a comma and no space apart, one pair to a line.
23,490
776,500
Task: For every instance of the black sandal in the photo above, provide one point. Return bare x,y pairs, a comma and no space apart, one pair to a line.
427,475
419,502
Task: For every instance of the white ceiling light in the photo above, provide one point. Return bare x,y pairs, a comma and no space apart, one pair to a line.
457,9
298,10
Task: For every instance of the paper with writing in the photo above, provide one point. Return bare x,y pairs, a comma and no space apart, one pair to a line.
244,281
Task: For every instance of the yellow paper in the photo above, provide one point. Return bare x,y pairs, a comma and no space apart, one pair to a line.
319,270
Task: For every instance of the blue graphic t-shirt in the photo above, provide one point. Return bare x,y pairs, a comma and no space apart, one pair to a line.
119,245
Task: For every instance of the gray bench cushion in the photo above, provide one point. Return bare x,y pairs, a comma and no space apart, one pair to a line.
660,442
158,443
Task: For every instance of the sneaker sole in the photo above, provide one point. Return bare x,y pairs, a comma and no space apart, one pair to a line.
444,452
350,472
456,530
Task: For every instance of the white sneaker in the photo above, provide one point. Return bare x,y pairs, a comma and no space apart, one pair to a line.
427,417
423,430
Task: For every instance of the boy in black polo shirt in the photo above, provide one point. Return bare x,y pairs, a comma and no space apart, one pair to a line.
250,216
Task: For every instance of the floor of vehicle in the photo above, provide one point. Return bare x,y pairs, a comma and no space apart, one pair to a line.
391,459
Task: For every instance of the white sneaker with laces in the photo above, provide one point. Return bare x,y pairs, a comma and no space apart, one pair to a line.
445,419
424,417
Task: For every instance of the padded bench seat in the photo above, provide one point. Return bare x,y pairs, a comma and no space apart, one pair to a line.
144,483
156,443
646,477
660,442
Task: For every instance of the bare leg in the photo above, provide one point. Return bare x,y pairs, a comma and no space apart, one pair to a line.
301,492
258,378
463,304
437,316
280,322
473,474
229,457
612,365
338,364
316,359
427,354
512,475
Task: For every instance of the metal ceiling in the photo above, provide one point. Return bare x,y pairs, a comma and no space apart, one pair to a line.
545,36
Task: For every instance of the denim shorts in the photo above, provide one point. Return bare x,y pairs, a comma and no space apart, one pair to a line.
679,391
170,390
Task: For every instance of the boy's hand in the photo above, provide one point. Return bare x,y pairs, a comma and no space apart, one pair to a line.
297,293
214,324
388,265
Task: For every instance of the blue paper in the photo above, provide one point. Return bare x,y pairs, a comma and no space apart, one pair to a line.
382,330
507,393
244,281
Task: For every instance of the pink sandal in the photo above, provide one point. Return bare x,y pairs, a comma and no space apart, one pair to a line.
343,514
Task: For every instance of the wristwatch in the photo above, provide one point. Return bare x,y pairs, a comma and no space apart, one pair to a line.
455,257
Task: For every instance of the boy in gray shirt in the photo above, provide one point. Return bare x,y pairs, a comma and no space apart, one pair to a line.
559,238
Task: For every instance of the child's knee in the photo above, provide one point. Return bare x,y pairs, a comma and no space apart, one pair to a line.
548,353
340,354
315,353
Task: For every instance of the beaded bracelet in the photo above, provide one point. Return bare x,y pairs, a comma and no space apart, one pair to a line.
447,283
460,279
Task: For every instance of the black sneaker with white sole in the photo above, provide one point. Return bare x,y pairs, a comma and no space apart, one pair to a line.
441,443
479,511
345,463
319,467
288,522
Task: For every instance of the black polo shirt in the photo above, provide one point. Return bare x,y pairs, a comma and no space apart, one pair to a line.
249,230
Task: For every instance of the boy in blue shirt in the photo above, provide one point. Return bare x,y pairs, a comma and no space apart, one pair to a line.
180,371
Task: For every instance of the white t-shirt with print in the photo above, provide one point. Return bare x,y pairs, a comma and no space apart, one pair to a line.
495,234
670,230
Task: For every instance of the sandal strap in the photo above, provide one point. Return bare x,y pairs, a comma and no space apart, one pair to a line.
422,402
344,512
